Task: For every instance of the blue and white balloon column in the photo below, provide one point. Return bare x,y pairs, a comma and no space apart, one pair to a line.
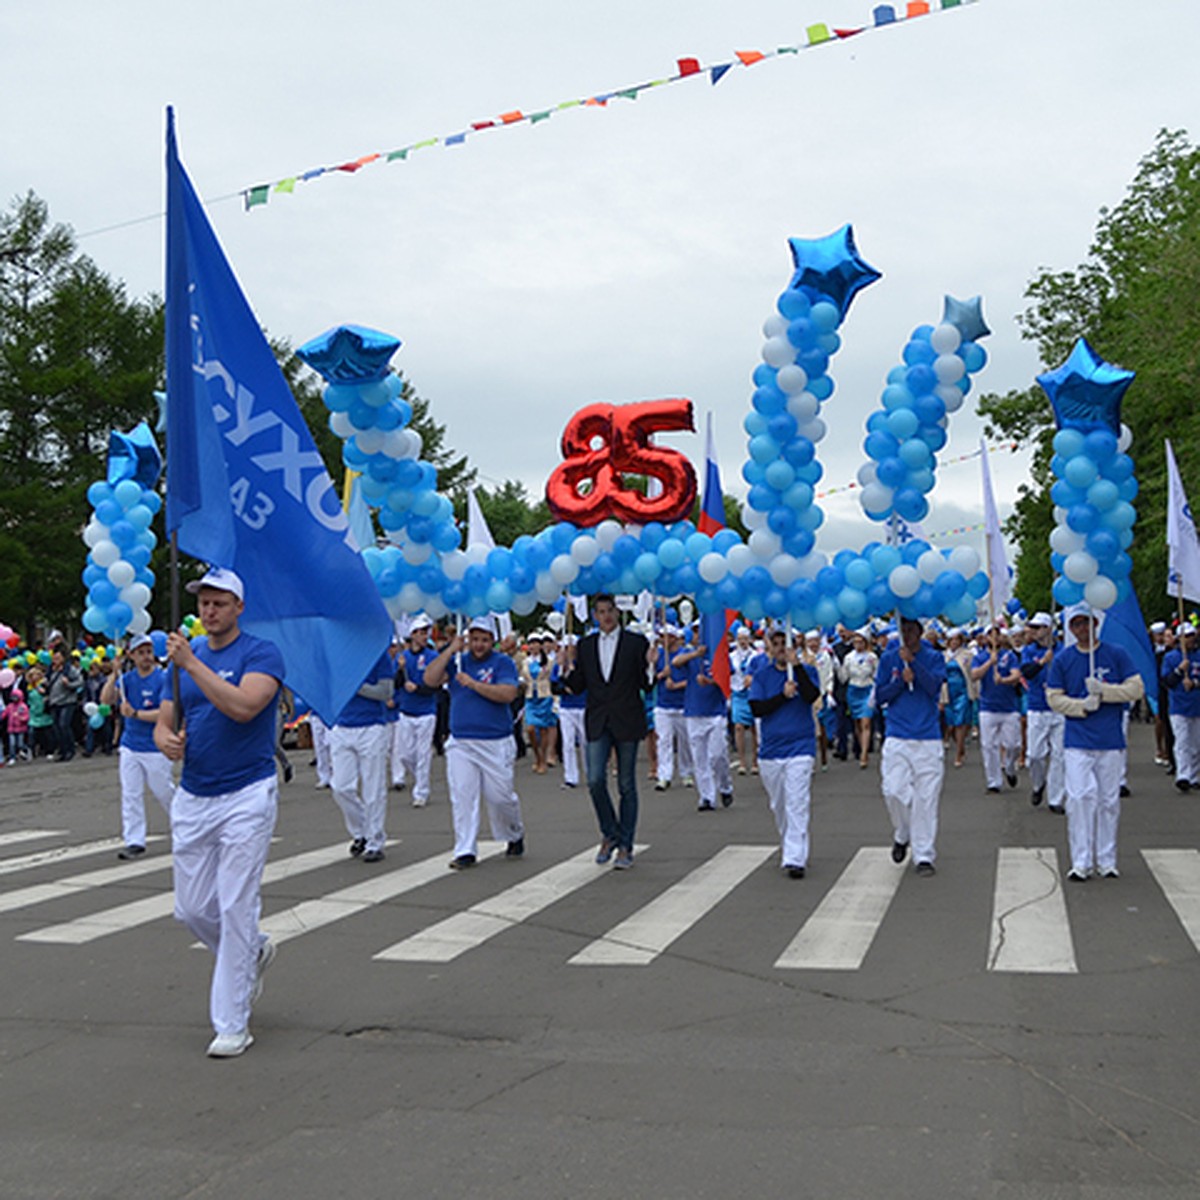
120,541
1094,486
906,433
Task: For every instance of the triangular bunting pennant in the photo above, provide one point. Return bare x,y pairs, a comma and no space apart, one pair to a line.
719,72
749,57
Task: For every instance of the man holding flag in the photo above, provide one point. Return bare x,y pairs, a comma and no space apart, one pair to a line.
248,494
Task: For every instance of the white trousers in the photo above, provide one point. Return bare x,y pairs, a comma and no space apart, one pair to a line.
139,771
571,742
788,782
412,752
482,770
669,725
1000,745
911,774
220,847
1044,754
1093,807
360,779
710,757
1187,747
321,749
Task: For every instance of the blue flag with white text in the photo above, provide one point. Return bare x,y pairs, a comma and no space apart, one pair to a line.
246,487
1124,626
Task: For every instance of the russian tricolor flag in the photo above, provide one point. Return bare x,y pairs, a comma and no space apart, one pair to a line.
714,627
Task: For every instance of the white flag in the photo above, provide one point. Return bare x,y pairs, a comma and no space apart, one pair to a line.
478,534
1183,546
1000,585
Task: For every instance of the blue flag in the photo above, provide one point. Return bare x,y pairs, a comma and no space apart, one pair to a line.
246,487
1124,626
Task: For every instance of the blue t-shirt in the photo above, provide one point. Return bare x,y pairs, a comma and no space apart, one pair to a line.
667,697
472,716
360,711
701,699
788,732
1181,702
997,697
912,713
1031,656
142,692
423,701
222,755
1103,729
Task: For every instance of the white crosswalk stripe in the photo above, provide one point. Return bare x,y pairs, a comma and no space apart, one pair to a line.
28,835
645,935
1030,929
464,931
314,914
162,904
839,933
1178,874
62,854
40,893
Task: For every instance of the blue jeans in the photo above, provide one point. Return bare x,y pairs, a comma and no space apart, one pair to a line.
619,832
64,732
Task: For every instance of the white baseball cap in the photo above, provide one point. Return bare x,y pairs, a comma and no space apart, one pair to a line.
220,580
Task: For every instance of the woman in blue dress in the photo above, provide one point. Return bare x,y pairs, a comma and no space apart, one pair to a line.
857,671
956,713
541,723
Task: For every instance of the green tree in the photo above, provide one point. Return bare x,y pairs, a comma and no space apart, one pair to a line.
1137,301
77,359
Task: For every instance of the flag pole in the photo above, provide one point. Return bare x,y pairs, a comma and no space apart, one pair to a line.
1182,641
176,618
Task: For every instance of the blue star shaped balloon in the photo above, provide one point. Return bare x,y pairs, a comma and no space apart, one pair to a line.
349,354
1085,392
832,266
967,317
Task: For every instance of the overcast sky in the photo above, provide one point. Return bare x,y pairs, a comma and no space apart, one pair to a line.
621,253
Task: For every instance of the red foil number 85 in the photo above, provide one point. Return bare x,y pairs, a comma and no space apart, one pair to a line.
602,444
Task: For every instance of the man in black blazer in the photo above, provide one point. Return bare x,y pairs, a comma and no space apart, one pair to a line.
612,667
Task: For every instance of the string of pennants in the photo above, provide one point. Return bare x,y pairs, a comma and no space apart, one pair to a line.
819,34
854,485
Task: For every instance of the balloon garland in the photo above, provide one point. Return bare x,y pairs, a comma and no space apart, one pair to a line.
1094,486
777,572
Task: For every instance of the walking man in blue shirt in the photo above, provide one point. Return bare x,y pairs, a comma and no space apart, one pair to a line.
1090,683
1044,752
223,812
1180,676
908,683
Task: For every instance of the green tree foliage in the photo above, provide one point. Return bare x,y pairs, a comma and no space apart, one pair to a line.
1137,301
77,359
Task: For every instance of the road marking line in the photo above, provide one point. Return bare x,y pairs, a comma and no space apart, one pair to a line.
1178,874
324,910
29,835
62,854
162,904
648,932
39,893
839,933
1031,932
464,931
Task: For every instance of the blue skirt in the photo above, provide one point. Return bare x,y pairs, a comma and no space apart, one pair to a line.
539,712
739,707
858,700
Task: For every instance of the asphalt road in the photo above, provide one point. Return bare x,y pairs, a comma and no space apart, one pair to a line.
705,1070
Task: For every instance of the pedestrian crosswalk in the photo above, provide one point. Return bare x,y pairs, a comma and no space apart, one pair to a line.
824,927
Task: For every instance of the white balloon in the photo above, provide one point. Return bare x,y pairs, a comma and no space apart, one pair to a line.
411,597
712,567
454,565
778,352
525,603
94,533
950,396
564,570
370,441
948,368
105,553
904,581
764,544
785,569
792,379
546,588
585,550
930,565
741,558
875,498
812,563
1101,592
964,560
556,620
90,708
415,553
687,610
140,621
753,519
814,430
774,326
945,339
867,473
477,554
607,533
803,406
1064,540
121,573
1125,440
415,443
339,423
136,595
1081,567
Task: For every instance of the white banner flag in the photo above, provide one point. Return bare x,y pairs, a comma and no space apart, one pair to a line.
478,534
997,560
1183,546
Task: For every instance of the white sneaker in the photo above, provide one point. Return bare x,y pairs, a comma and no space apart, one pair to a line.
266,956
230,1045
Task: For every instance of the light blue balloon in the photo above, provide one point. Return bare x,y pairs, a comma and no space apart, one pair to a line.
1080,471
